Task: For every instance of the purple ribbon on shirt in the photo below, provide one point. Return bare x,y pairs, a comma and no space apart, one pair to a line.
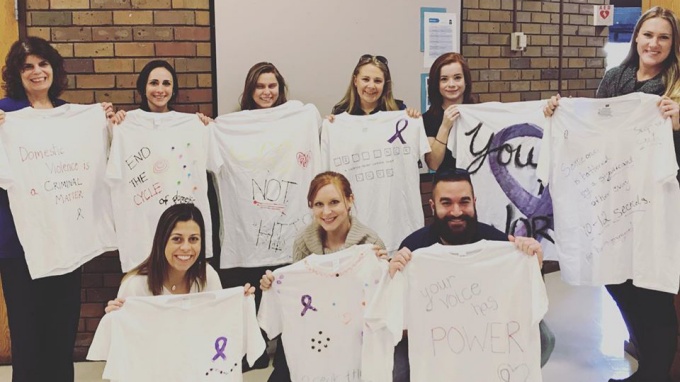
397,131
526,202
306,304
220,345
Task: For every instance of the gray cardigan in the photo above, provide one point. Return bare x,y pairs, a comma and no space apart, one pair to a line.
622,80
309,240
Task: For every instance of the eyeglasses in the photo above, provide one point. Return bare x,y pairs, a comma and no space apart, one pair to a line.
368,57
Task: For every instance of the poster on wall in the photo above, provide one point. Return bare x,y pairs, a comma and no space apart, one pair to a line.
441,35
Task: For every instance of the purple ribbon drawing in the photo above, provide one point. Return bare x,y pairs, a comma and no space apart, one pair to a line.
397,131
220,345
306,304
526,203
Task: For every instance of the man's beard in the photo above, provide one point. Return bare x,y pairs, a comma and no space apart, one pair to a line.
443,231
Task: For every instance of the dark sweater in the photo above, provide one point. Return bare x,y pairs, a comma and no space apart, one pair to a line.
426,237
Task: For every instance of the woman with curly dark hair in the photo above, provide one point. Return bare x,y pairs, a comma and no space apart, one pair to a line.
43,313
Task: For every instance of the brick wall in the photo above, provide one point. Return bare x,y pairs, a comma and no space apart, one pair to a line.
105,44
499,74
100,282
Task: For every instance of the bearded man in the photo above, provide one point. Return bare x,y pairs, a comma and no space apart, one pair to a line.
454,210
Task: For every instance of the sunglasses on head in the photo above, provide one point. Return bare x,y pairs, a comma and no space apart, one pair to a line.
368,57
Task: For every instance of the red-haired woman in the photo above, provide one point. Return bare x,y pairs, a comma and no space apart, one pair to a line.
333,229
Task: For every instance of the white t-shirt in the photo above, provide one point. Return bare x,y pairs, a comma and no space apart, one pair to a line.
157,160
179,338
136,285
264,161
52,163
471,311
317,306
379,155
611,166
499,143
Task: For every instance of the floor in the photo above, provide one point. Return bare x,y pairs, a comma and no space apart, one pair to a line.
586,323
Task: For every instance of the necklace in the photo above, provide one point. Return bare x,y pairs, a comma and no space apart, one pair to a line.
172,288
49,100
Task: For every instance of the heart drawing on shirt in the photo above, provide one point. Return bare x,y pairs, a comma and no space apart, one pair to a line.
303,158
604,13
509,373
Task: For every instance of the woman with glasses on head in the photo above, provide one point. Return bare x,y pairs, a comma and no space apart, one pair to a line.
370,90
449,85
42,313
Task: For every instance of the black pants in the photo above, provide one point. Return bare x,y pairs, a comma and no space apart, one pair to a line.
43,321
232,277
281,372
650,315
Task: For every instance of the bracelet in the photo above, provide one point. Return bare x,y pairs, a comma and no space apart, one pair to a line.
435,138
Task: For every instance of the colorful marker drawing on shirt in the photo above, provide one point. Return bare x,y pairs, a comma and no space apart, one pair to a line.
220,346
143,188
184,167
65,177
398,130
272,193
509,373
303,158
320,343
149,184
502,154
306,301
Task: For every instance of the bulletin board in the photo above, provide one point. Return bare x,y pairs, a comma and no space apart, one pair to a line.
316,44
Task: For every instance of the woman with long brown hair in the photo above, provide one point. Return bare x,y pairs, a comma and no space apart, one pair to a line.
653,67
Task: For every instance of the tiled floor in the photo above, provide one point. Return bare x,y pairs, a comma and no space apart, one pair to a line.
587,325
